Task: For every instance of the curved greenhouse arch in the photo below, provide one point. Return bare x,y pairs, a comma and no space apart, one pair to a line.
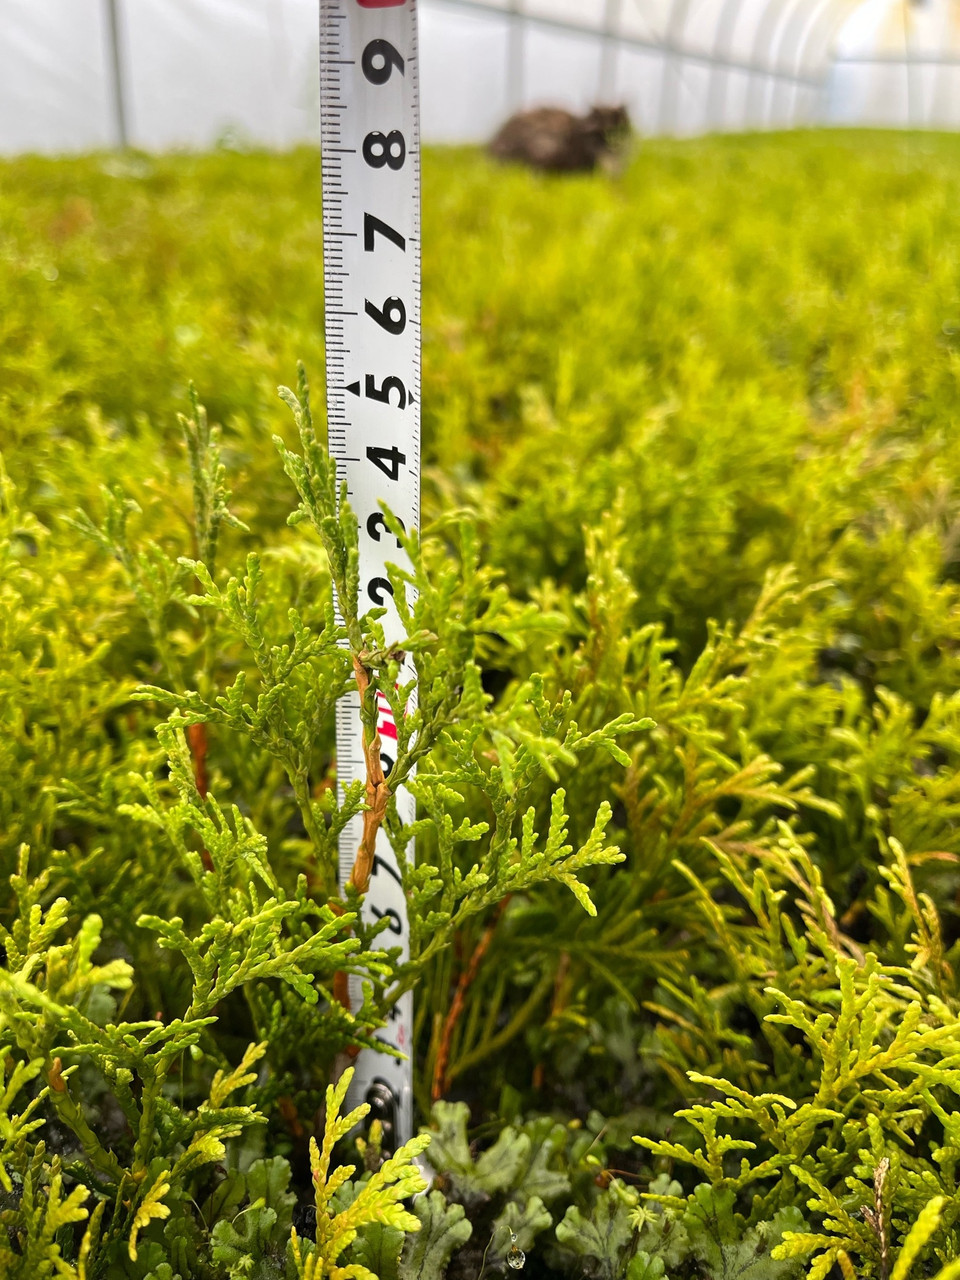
82,74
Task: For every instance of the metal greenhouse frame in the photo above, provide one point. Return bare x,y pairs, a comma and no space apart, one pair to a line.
789,60
160,73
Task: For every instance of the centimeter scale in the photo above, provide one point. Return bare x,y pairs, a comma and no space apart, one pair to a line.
370,136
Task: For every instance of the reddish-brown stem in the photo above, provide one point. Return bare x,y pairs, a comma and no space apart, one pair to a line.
557,1004
467,978
197,742
378,794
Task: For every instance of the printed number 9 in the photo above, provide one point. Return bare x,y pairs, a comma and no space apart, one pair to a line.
384,149
378,60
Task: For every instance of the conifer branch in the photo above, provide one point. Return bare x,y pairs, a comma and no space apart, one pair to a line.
377,791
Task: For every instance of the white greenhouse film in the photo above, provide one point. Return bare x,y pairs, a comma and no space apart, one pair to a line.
159,74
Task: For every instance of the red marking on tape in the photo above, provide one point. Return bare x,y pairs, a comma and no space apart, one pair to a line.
386,726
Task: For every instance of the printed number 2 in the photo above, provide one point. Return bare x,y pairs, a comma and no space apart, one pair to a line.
388,460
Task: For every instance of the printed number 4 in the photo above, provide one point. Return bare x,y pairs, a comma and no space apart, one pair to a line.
388,460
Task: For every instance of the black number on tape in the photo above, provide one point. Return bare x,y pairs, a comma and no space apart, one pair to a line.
381,149
376,522
388,460
380,864
378,60
376,588
393,317
382,393
395,926
372,225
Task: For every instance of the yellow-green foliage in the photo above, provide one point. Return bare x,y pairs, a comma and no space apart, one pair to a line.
377,1201
705,415
261,946
865,1115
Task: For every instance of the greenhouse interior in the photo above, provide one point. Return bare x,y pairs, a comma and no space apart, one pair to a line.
479,639
81,74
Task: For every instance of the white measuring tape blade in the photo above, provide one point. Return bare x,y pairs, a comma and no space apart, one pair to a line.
370,133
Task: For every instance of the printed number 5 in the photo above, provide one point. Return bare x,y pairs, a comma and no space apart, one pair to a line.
382,393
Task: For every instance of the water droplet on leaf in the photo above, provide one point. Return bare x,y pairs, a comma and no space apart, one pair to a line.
515,1257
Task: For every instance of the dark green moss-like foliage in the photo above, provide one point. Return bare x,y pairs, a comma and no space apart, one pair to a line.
703,418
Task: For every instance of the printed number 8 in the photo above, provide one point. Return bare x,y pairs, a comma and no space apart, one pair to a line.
384,149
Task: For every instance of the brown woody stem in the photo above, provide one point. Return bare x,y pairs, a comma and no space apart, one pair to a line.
197,742
378,794
456,1008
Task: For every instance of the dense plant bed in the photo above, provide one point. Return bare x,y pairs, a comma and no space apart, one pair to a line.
686,908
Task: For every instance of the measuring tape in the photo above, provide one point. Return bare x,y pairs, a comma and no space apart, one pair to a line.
370,137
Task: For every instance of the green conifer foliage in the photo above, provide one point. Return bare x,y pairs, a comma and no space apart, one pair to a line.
701,471
863,1126
263,944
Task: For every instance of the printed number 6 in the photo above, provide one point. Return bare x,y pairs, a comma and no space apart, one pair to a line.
392,317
